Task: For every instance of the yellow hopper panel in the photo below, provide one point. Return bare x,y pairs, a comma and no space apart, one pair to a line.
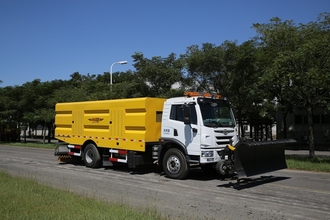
121,124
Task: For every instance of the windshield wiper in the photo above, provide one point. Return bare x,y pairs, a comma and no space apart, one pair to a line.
213,124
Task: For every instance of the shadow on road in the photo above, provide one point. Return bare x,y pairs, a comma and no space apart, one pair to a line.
252,182
195,174
198,174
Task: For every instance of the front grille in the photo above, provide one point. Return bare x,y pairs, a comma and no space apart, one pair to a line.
223,140
223,136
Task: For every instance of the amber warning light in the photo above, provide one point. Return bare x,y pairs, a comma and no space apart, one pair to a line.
200,94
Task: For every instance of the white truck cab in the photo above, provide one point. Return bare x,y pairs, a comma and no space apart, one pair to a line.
197,127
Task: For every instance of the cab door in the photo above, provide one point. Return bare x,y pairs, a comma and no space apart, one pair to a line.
186,128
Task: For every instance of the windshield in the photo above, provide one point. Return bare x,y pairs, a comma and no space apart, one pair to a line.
216,113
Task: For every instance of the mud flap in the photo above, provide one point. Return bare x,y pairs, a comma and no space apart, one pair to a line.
253,158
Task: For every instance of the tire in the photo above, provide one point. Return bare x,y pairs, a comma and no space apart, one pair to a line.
92,156
222,168
175,164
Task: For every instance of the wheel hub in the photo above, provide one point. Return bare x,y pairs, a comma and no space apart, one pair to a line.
89,156
173,164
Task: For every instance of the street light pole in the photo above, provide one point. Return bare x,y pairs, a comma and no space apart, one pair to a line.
119,62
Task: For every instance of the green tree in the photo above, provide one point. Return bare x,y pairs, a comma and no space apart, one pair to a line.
129,85
230,70
274,38
11,106
299,68
204,66
39,109
241,84
159,74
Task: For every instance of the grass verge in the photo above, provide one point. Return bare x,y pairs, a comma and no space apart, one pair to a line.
319,164
29,144
22,198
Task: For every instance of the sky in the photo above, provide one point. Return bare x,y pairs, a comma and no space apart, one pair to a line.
52,39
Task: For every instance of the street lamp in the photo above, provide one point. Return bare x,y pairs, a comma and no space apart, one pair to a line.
119,62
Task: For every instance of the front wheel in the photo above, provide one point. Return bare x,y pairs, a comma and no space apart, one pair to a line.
222,168
92,156
175,164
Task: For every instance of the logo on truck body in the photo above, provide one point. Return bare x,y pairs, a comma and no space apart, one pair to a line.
95,120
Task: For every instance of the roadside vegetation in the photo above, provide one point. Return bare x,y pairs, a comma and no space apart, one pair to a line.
318,164
29,144
22,198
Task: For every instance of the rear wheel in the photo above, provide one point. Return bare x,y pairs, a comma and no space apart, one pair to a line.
175,164
92,156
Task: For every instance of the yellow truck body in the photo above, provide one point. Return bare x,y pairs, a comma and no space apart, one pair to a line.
126,124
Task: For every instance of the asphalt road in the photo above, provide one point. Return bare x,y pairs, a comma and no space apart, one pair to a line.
283,194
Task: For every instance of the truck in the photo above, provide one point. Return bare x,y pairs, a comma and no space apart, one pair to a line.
197,129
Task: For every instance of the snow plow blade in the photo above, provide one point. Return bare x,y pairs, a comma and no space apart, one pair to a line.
253,158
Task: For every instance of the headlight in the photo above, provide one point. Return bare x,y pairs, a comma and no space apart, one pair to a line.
207,153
